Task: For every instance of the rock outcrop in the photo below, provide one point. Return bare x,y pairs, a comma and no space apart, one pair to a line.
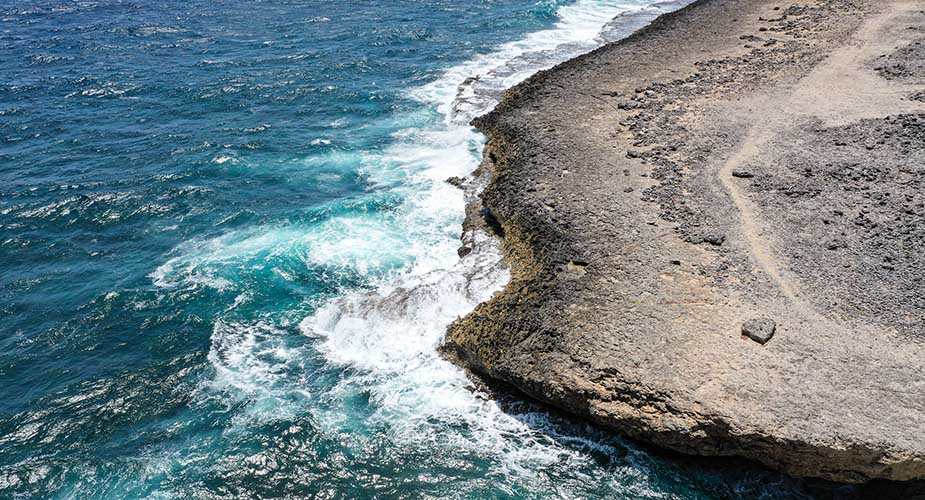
737,159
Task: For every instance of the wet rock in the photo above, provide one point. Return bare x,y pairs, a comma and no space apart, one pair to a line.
492,222
760,330
456,181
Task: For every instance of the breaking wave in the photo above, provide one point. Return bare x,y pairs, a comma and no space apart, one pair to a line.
381,329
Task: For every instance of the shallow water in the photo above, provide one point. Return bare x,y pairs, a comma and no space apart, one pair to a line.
227,255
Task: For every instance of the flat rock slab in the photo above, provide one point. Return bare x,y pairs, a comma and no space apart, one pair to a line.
633,275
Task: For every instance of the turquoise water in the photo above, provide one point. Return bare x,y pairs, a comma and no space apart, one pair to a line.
227,255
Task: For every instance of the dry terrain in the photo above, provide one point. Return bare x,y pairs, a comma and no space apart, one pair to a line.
738,161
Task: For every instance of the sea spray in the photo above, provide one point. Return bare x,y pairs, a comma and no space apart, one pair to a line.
229,254
391,332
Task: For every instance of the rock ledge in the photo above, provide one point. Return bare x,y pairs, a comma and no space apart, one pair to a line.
618,312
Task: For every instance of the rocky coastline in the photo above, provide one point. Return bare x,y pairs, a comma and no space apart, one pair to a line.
713,231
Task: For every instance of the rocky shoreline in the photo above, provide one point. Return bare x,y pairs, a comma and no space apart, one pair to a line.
712,228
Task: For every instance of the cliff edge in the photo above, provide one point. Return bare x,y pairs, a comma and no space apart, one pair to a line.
714,232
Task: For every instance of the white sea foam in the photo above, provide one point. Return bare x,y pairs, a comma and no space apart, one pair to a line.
223,159
388,337
253,361
391,335
473,88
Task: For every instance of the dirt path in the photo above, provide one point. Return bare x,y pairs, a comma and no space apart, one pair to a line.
843,89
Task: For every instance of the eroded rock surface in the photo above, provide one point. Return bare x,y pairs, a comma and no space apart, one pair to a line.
736,159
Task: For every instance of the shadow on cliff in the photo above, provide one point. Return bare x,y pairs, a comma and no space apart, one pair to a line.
717,477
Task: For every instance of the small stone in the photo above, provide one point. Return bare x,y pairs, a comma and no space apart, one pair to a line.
576,268
714,239
464,251
836,244
760,329
742,174
628,190
676,262
711,238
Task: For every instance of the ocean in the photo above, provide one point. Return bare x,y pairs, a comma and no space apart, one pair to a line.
228,255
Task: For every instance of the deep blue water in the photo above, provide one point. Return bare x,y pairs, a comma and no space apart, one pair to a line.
227,255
